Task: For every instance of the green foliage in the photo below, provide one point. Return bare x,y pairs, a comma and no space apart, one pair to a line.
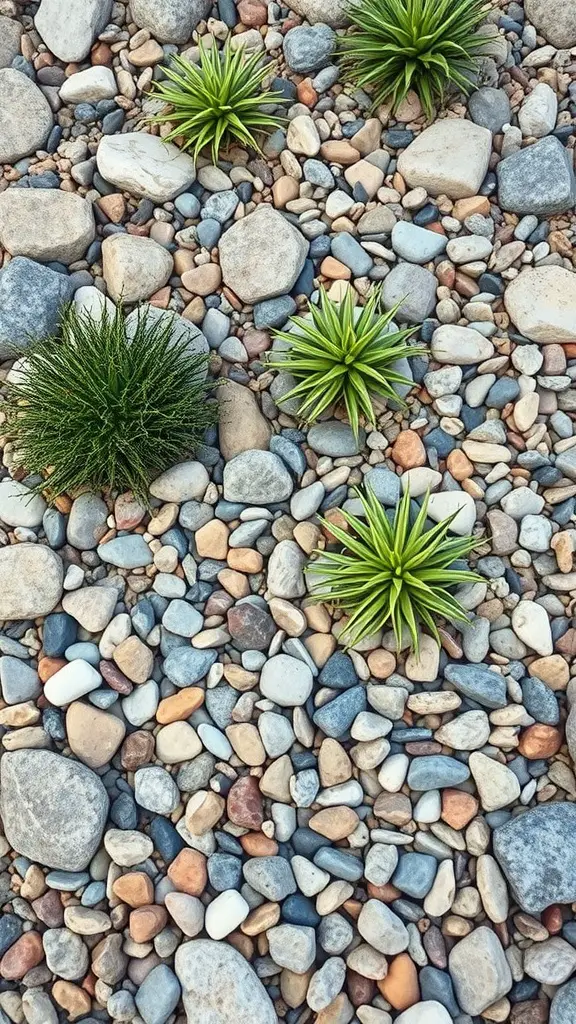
425,45
218,101
96,408
393,573
340,353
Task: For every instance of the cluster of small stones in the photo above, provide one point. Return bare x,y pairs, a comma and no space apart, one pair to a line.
212,812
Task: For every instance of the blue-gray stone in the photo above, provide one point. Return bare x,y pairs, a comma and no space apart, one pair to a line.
504,390
437,984
59,633
339,863
123,812
10,930
346,249
215,328
224,871
143,618
338,673
309,47
158,995
415,874
188,205
186,666
318,173
563,1006
436,772
54,525
220,206
385,484
83,651
167,841
274,312
540,701
181,618
490,108
127,552
335,438
326,78
290,453
93,894
533,850
31,297
208,233
300,910
67,881
336,717
220,702
479,683
19,681
537,180
416,244
271,877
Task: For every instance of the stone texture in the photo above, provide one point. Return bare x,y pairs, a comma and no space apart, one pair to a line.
219,985
256,478
31,297
479,971
241,426
53,808
451,157
134,268
169,21
555,20
541,303
330,12
25,116
262,255
145,165
537,180
528,845
10,33
69,27
30,581
45,224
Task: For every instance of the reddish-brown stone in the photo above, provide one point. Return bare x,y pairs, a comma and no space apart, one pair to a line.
256,844
244,803
188,872
539,741
137,749
146,922
534,1011
361,991
26,953
552,919
115,678
48,909
252,14
251,627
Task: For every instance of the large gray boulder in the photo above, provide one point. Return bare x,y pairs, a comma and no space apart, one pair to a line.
53,808
555,20
31,578
262,255
69,27
170,21
31,297
537,180
533,852
145,165
25,116
219,985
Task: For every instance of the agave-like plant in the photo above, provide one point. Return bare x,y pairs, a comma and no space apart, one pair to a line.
395,573
341,354
217,101
425,45
96,406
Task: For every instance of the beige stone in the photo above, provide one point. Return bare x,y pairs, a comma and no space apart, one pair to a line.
93,735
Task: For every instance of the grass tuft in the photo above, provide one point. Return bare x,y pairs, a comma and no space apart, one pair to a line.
217,101
343,354
95,408
425,45
393,574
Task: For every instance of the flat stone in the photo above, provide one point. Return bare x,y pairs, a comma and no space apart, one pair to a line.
262,255
219,985
145,165
497,785
417,245
89,86
186,481
25,117
479,970
531,850
53,808
45,224
31,297
31,578
92,607
19,680
446,503
435,772
134,267
451,157
129,551
69,27
170,21
479,683
537,180
460,346
257,478
541,302
335,439
286,681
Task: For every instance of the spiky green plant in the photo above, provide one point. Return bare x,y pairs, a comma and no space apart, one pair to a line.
393,573
217,101
340,353
95,407
425,45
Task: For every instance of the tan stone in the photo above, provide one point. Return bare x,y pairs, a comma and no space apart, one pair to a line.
212,540
246,742
177,742
241,425
18,715
203,810
284,190
203,280
264,917
335,270
334,822
187,872
180,705
245,560
134,659
334,764
408,450
75,1000
381,663
234,582
467,207
146,922
459,465
400,986
275,782
93,735
552,670
339,151
134,888
149,53
163,519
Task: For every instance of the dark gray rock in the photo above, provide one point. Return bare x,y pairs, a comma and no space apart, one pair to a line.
490,108
537,180
534,852
479,683
31,297
414,288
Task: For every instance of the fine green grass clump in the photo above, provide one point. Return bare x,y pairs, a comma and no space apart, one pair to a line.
393,574
341,354
425,45
96,408
218,101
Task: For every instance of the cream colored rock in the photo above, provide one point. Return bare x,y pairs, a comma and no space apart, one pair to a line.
262,255
45,224
145,165
542,304
134,267
451,157
328,12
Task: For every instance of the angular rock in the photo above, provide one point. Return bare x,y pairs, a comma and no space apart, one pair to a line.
256,478
531,850
145,165
537,180
219,985
262,255
53,808
241,426
451,157
25,116
69,27
92,607
31,577
134,267
31,297
89,86
537,115
479,971
93,735
169,21
541,303
46,224
414,288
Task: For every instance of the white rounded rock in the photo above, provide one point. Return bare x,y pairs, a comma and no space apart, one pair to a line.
531,624
286,681
428,1012
19,506
145,165
89,86
446,503
71,682
225,914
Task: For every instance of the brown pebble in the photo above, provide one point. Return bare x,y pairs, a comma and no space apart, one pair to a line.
252,14
435,946
26,953
128,512
400,986
458,808
244,803
137,749
187,872
71,998
134,888
146,922
256,844
539,741
115,678
361,991
334,822
47,667
552,919
180,705
408,450
423,747
48,908
534,1011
